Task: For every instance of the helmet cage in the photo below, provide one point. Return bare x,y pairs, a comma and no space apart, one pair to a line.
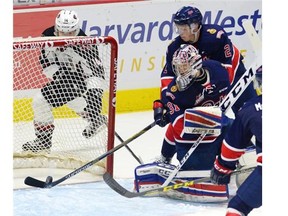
186,61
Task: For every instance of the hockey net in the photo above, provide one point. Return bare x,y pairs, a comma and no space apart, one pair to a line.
69,115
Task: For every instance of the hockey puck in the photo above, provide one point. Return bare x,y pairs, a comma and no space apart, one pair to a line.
49,179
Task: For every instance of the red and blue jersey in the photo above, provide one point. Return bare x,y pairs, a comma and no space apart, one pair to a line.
209,94
248,123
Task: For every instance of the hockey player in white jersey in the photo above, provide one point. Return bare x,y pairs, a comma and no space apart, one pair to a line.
76,74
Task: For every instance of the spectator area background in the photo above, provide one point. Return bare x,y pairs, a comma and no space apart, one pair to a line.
142,38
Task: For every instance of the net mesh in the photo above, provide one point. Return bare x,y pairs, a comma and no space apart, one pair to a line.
62,102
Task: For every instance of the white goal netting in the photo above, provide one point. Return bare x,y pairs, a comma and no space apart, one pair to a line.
64,102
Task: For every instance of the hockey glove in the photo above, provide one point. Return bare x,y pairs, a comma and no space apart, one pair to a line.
160,113
220,174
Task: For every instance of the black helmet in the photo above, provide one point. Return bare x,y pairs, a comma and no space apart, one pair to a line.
188,15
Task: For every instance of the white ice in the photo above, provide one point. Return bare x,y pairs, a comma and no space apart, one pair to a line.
97,198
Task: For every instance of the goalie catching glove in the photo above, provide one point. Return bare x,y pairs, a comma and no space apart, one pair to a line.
160,113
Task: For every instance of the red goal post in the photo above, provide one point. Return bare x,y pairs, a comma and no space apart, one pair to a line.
70,148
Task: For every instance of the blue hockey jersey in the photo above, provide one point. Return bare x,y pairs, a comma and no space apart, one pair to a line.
210,94
248,122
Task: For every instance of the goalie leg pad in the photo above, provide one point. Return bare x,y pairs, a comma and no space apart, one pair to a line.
201,192
153,175
66,87
249,159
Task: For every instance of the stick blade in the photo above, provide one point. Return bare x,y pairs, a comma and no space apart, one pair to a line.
34,182
110,181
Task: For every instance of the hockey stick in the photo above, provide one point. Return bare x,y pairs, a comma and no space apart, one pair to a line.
253,37
110,181
49,183
129,149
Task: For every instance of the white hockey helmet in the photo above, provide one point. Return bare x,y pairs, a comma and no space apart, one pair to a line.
67,21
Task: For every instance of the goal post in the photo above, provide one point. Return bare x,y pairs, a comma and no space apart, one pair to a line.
63,101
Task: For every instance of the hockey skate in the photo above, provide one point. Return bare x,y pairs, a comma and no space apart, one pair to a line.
94,126
43,141
37,146
162,159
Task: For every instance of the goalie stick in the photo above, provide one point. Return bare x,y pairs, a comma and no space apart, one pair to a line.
49,183
112,183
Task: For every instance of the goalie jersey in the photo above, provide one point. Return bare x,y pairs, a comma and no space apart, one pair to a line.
209,94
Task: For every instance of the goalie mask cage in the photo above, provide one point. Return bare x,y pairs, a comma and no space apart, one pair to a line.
70,149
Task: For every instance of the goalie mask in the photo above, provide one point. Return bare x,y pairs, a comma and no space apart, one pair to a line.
186,61
67,23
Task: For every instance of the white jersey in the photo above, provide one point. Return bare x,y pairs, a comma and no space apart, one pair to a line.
74,59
